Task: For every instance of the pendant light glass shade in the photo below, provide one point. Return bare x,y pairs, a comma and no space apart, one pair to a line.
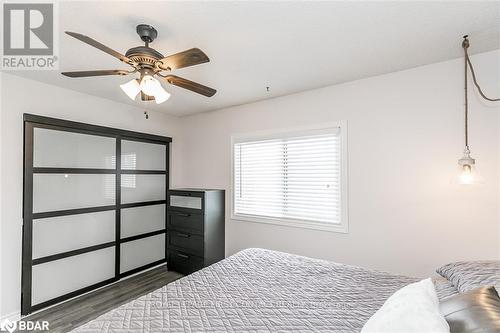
161,96
131,88
467,171
149,85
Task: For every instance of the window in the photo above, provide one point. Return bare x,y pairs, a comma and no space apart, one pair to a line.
294,178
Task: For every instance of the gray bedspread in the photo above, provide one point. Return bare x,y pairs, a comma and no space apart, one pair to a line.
260,290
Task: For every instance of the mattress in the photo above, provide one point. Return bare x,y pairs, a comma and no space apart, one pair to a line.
259,290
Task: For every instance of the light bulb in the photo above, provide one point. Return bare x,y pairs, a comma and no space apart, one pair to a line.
466,176
152,87
467,173
131,88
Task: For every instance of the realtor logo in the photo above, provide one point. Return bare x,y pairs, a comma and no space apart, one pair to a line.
28,29
29,35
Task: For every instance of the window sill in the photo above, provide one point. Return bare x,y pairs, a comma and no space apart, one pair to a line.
338,228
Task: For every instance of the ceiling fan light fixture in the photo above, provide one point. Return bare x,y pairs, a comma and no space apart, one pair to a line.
148,62
152,87
131,88
161,96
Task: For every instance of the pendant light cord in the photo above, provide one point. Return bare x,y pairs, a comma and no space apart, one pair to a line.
468,63
474,79
465,45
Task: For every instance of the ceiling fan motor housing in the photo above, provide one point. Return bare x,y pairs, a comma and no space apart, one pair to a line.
146,32
144,56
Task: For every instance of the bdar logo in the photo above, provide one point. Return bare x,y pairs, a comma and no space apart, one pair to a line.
30,326
8,326
28,29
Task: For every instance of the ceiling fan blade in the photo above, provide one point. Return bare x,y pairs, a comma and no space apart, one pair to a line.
190,85
101,47
96,73
186,58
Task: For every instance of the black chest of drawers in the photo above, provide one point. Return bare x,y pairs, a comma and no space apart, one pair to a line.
195,228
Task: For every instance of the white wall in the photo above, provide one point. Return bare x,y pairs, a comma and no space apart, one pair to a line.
405,137
49,101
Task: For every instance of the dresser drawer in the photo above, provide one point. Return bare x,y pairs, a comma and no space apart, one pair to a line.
185,200
185,241
185,221
183,262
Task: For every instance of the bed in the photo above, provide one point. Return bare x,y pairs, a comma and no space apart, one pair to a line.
259,290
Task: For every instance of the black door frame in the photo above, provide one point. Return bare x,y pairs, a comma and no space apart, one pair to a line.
35,121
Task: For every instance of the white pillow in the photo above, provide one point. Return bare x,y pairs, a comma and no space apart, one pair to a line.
411,309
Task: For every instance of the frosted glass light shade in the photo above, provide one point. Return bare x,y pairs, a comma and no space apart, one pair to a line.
161,96
152,87
149,85
131,88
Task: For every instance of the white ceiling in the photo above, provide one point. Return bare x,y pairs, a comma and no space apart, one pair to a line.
288,46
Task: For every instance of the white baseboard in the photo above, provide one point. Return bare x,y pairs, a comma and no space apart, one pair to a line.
14,316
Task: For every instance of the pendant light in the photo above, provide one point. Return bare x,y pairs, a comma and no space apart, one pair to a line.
468,173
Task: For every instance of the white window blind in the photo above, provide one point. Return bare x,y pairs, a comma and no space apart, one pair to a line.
290,177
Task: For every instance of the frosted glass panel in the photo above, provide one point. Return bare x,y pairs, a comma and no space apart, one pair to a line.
60,277
137,188
52,148
65,233
186,202
143,156
59,191
142,252
140,220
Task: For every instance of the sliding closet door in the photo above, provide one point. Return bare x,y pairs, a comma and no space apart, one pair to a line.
143,204
94,207
73,242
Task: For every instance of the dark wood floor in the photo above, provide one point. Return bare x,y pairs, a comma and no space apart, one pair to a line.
78,311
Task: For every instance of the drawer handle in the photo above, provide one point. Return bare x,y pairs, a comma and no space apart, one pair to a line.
183,255
183,235
184,214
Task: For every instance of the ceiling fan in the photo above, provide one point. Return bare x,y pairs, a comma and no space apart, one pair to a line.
148,63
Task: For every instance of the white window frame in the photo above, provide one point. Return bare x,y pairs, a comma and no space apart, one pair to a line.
343,227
